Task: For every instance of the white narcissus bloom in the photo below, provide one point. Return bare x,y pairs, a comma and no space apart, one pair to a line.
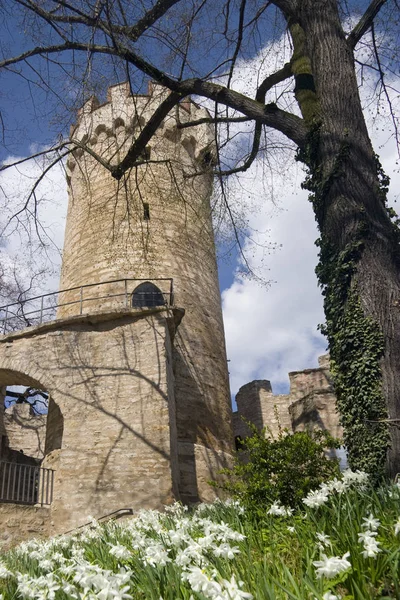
365,536
120,551
69,589
358,477
323,539
371,523
316,498
200,582
397,527
44,586
233,590
206,542
47,565
111,593
4,572
156,555
332,566
177,537
340,486
176,508
190,555
277,510
226,551
371,549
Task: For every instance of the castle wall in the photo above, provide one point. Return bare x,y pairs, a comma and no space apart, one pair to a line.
257,404
21,523
54,428
311,404
108,237
109,377
24,433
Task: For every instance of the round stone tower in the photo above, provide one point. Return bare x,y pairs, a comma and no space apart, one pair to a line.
147,240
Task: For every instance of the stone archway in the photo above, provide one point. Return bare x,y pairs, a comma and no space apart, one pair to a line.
28,439
22,431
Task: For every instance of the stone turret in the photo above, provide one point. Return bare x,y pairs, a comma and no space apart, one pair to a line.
154,225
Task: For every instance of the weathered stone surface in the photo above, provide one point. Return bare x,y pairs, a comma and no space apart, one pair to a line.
19,523
109,381
109,237
24,431
258,405
311,404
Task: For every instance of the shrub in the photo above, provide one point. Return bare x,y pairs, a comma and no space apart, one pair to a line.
283,469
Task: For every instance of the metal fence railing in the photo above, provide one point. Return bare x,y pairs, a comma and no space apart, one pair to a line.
25,484
119,293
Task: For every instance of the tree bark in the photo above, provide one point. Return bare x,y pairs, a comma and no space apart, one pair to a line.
353,202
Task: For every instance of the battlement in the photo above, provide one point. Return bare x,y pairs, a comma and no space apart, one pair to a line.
310,404
109,128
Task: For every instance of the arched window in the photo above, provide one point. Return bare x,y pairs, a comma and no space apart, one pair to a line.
147,294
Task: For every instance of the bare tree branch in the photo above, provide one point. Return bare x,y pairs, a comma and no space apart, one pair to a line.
384,87
80,18
238,41
212,120
265,86
365,22
146,134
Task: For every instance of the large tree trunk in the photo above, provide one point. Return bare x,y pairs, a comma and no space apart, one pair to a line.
360,256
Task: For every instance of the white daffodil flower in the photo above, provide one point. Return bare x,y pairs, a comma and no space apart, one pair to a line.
332,566
371,523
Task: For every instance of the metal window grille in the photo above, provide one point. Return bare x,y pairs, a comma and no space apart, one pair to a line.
25,484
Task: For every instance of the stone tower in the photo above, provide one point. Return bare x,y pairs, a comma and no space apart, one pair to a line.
134,361
152,225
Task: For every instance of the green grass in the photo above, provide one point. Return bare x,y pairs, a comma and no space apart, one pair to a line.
221,552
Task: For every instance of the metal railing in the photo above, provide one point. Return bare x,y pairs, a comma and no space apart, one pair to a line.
112,516
25,484
40,309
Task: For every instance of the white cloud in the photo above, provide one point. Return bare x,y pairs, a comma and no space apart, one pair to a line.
273,330
31,244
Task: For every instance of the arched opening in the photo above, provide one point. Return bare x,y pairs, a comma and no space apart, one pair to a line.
24,418
147,295
37,400
31,428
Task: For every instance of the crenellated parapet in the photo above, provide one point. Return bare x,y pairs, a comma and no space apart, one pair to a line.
109,129
310,404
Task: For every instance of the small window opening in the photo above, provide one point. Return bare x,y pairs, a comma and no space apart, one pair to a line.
207,158
145,154
146,211
147,294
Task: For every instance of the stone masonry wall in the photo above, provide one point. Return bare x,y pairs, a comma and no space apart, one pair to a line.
110,379
258,405
25,432
21,523
311,404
